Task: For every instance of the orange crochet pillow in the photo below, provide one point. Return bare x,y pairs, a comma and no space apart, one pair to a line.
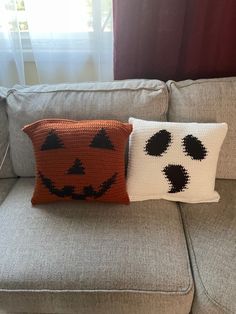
79,160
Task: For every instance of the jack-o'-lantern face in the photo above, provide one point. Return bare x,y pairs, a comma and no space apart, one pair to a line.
79,160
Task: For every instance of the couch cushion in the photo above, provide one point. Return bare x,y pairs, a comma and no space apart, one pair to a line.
211,100
5,187
117,100
211,230
99,259
6,169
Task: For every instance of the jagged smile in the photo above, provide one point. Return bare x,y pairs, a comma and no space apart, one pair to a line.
69,191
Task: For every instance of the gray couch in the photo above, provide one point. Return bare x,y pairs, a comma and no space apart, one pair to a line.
149,257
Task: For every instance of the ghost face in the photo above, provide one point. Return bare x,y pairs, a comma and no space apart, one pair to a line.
176,174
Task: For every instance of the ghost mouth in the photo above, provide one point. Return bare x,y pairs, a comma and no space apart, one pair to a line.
69,191
178,177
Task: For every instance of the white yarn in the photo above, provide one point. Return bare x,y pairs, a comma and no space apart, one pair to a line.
148,174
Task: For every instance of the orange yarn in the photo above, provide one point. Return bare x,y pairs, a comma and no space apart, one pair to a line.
79,160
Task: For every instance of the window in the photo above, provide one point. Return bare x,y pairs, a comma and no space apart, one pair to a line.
87,23
81,18
68,40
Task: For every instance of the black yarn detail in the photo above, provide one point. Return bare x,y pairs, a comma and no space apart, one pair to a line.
106,185
178,177
102,140
194,148
67,190
158,143
52,141
88,191
77,168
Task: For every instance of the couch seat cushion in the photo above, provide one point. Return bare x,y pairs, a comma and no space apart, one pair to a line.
211,230
97,258
5,187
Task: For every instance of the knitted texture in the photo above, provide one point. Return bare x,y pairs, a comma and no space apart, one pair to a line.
79,160
174,161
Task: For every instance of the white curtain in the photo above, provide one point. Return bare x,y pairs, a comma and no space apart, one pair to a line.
11,52
67,40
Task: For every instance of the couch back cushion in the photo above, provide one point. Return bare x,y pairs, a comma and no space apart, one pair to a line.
145,99
6,169
211,100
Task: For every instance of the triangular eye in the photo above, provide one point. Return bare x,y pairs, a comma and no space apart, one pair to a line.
52,141
102,140
77,168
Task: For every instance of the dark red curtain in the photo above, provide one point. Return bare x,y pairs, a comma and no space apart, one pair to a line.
174,39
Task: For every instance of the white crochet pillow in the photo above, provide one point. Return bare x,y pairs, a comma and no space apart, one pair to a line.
174,161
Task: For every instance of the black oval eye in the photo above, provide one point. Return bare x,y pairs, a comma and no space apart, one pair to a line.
102,140
77,168
158,143
194,148
52,141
